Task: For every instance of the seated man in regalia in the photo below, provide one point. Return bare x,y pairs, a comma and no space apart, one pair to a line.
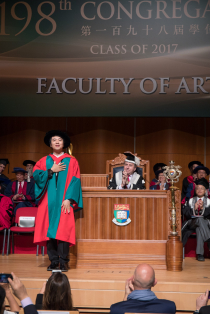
197,212
128,178
20,191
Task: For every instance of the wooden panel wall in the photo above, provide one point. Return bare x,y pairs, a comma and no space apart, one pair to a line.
97,139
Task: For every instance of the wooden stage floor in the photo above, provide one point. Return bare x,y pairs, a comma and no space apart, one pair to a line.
94,290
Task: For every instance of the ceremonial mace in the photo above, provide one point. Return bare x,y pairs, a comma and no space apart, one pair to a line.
174,246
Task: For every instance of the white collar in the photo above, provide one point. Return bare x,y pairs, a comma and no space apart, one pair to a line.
59,155
200,198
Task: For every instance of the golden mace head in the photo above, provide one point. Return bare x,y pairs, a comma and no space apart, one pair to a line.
172,172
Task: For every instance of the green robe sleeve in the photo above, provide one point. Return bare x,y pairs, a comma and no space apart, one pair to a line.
74,191
41,178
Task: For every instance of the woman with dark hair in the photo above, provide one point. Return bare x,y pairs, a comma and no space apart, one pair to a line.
55,294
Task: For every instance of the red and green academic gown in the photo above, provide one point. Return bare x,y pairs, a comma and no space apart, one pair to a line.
51,222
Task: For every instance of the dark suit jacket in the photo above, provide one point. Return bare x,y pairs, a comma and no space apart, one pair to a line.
205,310
136,306
12,189
30,309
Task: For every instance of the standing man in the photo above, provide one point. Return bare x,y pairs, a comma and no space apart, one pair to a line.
58,189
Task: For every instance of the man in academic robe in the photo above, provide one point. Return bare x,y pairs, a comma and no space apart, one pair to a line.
156,168
197,213
162,184
58,189
129,178
29,164
200,172
20,191
3,163
190,179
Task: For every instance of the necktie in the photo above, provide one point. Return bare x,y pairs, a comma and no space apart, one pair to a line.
20,190
199,208
128,178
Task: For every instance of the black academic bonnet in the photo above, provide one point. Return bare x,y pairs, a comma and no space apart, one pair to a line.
26,162
158,172
194,163
201,168
158,165
59,133
131,158
4,161
203,182
2,297
18,169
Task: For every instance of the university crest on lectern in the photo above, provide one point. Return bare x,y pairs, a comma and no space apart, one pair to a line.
121,214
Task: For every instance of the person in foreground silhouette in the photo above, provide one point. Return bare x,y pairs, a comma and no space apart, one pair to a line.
138,296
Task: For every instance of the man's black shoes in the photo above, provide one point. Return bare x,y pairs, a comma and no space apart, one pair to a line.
63,267
200,258
52,266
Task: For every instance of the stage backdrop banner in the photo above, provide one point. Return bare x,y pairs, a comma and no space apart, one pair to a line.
105,58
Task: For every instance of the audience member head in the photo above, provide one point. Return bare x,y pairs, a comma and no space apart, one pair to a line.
201,186
20,173
57,140
201,172
131,163
160,176
193,164
158,166
29,164
57,295
2,298
3,163
144,277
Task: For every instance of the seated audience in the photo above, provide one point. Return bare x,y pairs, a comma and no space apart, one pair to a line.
55,294
201,304
190,179
197,213
3,163
129,178
6,293
156,168
200,172
20,192
161,183
6,209
29,164
20,292
138,295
